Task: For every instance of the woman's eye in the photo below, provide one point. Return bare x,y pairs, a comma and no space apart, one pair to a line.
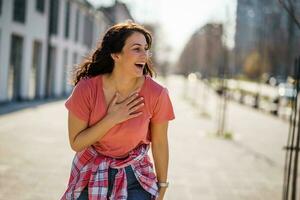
140,50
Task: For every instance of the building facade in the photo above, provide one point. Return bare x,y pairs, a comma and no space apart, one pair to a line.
41,41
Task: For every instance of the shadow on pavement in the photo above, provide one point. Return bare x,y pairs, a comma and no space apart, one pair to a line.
14,106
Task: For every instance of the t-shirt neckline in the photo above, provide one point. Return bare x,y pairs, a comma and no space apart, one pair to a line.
102,90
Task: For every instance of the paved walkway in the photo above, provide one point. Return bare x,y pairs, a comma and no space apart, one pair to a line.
35,156
248,167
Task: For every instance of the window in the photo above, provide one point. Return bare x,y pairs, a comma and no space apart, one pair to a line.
88,31
16,56
40,5
67,19
0,7
50,78
19,10
77,25
54,17
34,85
75,58
65,67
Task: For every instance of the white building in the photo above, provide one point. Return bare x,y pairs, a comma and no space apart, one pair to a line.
40,41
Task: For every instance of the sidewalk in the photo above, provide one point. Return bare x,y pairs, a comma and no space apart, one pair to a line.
205,167
35,154
35,157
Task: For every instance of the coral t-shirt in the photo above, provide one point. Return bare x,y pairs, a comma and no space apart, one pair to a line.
87,102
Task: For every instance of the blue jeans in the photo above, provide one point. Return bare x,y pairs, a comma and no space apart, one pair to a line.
134,189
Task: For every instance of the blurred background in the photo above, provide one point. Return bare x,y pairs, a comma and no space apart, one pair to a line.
231,67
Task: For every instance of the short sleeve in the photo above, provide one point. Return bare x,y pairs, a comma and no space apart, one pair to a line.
79,102
163,110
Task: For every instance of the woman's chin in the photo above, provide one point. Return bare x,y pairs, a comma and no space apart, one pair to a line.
139,73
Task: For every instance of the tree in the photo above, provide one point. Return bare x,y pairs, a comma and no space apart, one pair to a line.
255,65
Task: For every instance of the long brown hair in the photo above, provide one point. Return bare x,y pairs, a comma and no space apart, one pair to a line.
100,60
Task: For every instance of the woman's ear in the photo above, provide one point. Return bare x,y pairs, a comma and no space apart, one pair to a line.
114,56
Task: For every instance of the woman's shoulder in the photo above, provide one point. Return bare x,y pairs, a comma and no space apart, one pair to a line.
155,85
89,82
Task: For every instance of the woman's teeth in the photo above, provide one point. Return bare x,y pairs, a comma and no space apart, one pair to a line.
140,65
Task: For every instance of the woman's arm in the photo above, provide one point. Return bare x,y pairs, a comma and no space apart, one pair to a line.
160,152
81,136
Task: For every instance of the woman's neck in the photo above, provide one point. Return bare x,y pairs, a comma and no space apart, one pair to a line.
122,84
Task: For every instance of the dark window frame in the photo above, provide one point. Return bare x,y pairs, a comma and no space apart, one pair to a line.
19,12
67,19
88,31
1,2
54,17
16,57
40,6
77,21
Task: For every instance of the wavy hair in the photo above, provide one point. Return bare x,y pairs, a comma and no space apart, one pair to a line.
100,61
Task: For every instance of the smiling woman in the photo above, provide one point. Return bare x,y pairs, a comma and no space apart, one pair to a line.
116,112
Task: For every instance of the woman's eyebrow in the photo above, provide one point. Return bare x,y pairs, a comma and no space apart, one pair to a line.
146,45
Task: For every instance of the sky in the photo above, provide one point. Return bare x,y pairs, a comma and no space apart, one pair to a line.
178,19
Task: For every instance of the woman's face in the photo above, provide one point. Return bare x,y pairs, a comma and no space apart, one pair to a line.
134,55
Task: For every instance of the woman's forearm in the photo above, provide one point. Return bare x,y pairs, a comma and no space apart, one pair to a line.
160,154
89,136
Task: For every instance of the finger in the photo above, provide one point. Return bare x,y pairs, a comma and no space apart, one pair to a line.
136,107
135,91
135,102
133,115
131,98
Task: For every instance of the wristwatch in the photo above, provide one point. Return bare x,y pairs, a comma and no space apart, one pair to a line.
163,184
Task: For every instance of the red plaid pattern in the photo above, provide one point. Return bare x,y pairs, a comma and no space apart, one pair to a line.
90,169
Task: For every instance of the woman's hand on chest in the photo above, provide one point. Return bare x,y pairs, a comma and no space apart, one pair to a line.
120,111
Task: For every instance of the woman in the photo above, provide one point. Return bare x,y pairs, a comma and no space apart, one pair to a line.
116,111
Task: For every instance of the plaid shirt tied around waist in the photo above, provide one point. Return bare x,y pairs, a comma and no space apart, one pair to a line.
90,169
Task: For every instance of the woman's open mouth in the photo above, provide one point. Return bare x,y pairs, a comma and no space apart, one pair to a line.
140,65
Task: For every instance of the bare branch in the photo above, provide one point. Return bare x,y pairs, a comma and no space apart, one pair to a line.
290,11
